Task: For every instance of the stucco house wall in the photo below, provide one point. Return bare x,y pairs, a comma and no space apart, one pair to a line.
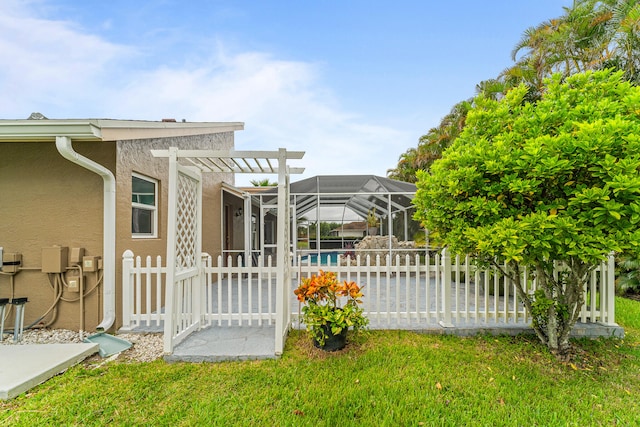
45,200
135,156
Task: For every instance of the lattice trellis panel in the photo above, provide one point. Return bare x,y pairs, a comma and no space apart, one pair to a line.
187,232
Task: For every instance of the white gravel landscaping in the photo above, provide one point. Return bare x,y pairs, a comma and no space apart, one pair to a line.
145,348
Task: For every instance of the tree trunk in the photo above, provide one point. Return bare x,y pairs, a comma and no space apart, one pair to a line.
552,329
526,298
574,284
564,296
565,290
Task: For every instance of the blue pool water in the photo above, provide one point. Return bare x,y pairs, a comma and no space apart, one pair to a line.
325,257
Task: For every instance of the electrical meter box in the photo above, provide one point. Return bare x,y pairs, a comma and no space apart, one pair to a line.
11,262
74,283
90,263
54,259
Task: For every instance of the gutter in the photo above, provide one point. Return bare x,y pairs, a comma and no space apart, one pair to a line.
63,144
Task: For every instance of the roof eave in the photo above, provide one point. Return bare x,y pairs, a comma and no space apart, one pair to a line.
41,131
106,130
116,130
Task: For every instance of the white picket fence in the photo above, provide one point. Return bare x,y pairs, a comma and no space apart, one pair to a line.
143,292
229,296
236,296
409,293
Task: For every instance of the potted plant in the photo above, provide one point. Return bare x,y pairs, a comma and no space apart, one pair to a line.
324,316
372,223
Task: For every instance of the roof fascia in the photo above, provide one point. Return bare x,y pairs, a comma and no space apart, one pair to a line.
46,131
106,130
119,130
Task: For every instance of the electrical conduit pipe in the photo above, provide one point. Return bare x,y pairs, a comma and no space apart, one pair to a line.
63,144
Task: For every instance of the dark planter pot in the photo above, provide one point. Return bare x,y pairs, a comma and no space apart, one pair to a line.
333,342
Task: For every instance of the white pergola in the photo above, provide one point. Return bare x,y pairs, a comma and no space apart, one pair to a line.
244,162
254,162
184,236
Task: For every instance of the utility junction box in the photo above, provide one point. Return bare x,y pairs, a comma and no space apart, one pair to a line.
75,256
11,262
54,259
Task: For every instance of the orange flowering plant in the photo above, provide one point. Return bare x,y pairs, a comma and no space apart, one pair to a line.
323,313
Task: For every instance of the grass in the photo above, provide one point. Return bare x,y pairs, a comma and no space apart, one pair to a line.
384,378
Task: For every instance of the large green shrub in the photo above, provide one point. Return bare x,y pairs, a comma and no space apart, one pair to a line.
531,184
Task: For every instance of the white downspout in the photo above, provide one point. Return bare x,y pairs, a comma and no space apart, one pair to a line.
63,144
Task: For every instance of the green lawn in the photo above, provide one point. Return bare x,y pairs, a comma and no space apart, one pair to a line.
387,378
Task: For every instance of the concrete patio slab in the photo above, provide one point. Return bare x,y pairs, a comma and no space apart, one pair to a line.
217,344
25,366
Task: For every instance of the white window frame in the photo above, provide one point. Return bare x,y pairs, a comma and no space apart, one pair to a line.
152,208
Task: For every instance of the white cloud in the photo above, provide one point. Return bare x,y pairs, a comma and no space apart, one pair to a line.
56,68
46,64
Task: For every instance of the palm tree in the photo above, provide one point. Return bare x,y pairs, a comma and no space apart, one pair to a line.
432,144
624,34
494,89
628,275
263,183
590,35
555,45
406,168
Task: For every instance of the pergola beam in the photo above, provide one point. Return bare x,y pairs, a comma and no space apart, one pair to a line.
256,162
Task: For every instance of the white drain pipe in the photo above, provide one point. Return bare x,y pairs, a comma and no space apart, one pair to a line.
63,144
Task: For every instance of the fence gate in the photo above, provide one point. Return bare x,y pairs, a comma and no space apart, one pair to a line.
184,248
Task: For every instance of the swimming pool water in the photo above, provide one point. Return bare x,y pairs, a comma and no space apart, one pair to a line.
325,258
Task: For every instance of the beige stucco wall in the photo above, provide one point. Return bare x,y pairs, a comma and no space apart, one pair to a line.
135,156
46,200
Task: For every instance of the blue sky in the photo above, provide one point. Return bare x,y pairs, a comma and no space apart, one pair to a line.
352,83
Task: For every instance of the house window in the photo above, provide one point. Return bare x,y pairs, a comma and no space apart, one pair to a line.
144,206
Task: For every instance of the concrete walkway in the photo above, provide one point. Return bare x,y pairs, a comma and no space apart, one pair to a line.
25,366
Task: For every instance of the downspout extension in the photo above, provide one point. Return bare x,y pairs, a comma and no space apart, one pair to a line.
63,144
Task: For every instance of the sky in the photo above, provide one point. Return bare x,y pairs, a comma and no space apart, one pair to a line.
354,84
